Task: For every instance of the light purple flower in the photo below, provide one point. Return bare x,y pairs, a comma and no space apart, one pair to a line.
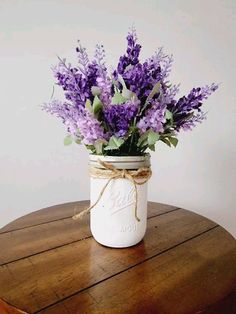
83,59
103,81
80,122
188,125
154,118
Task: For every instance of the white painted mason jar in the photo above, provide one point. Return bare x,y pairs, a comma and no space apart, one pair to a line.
112,220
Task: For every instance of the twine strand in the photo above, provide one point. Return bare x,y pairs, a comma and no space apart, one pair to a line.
112,173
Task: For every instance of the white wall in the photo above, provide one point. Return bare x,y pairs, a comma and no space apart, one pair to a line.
36,170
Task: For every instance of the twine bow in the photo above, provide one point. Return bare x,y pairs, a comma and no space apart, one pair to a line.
112,173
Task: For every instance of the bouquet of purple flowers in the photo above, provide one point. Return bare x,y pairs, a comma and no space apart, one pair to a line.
127,111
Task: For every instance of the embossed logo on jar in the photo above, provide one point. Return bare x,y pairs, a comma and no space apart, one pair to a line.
118,200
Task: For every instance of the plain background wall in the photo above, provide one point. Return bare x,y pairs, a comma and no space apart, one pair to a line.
36,170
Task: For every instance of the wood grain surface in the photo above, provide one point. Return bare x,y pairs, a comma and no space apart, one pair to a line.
51,264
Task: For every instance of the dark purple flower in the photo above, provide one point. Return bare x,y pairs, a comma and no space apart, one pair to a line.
132,53
189,107
193,101
141,77
119,117
77,86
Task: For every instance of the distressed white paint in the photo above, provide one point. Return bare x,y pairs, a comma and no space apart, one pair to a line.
112,219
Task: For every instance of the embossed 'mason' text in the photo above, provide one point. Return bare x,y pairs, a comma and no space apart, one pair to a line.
129,228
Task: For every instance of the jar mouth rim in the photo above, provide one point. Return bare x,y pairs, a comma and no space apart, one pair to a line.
128,158
121,162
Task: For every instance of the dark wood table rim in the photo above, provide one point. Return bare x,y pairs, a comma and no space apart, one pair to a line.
51,264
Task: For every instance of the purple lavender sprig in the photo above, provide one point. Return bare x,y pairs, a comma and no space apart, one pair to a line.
188,109
127,111
83,59
80,123
131,57
119,117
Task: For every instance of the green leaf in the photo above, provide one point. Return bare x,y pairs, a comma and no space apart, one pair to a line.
99,145
152,147
114,143
88,105
68,140
149,138
155,90
173,140
143,140
91,147
166,141
153,137
169,115
127,94
168,134
118,99
97,105
78,141
133,129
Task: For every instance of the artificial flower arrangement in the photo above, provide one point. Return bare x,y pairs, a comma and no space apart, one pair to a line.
118,116
127,111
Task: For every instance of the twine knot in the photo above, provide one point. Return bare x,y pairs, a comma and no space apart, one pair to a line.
123,173
110,172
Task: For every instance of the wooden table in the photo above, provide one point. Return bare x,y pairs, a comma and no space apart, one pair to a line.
51,264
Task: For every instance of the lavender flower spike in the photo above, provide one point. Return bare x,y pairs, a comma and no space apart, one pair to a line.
119,117
79,122
154,118
135,101
82,59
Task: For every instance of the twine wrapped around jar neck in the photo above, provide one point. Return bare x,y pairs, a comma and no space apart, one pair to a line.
110,172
